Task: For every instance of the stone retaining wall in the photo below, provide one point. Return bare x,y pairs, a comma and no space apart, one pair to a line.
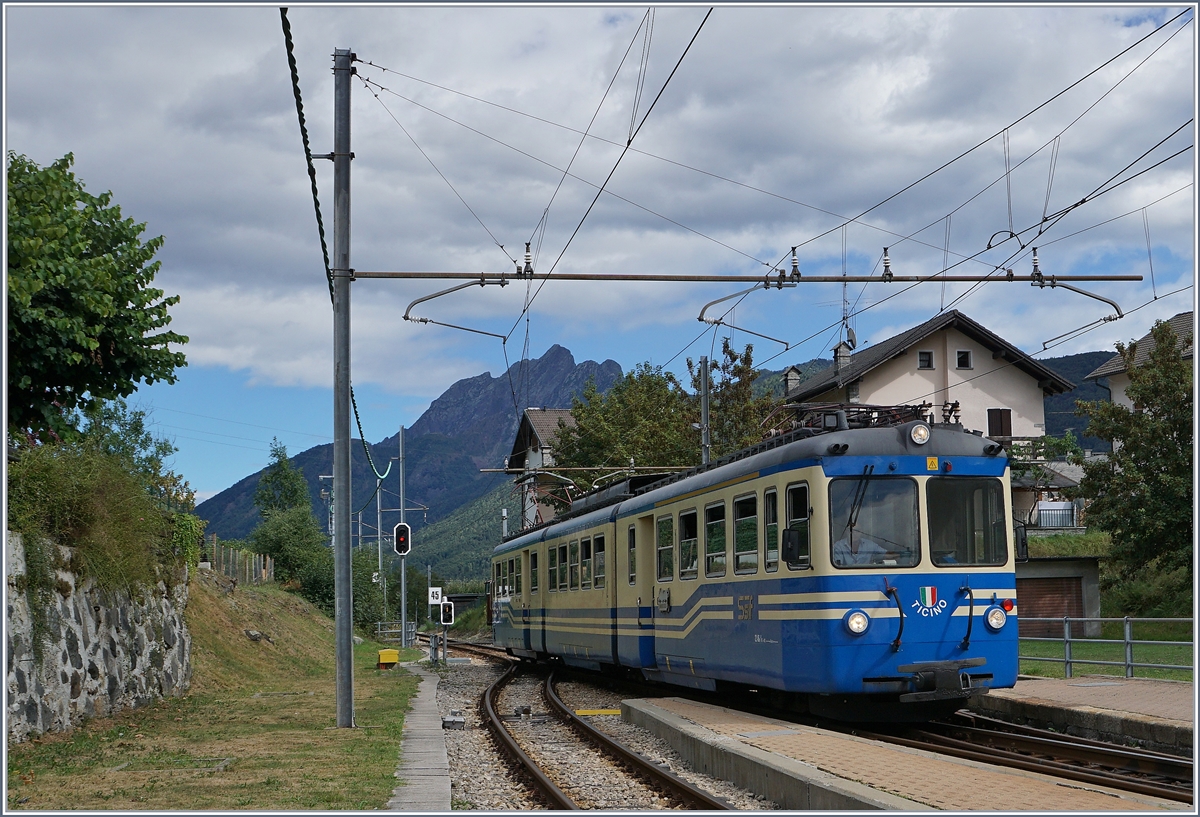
103,652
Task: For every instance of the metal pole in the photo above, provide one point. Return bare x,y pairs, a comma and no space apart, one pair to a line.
428,584
403,569
704,438
379,545
343,603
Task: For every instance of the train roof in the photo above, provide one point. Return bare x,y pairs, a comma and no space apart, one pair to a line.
946,439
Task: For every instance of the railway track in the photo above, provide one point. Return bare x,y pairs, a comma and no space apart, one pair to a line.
988,740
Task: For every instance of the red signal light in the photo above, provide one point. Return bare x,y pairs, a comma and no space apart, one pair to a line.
1007,604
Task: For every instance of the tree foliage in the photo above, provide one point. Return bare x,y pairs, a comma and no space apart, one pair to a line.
1141,494
83,319
645,416
735,414
282,486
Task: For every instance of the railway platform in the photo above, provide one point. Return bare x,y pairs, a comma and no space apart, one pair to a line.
807,768
424,769
1154,714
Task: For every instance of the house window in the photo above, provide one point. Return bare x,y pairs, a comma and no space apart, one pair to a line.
687,545
666,549
964,359
924,360
533,573
999,422
714,540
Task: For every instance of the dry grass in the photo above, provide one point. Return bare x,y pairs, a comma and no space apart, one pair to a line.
256,732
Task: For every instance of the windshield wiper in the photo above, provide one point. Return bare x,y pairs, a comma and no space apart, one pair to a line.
860,494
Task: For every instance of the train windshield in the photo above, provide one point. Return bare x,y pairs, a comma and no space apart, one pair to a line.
873,522
966,522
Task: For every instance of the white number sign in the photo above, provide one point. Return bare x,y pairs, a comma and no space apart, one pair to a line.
435,595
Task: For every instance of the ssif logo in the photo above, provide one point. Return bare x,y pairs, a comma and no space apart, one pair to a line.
928,603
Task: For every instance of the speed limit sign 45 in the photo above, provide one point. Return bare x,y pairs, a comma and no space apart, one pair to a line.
435,595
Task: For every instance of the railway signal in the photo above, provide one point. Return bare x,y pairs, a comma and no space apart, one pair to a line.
447,613
402,538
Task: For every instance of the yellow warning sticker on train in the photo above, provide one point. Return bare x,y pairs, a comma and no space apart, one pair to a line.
931,463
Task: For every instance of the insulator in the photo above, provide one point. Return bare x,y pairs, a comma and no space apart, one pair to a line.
528,260
795,264
887,265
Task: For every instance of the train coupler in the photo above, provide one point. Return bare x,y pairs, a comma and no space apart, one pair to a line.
942,680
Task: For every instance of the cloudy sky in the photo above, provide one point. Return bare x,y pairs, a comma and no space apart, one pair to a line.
778,126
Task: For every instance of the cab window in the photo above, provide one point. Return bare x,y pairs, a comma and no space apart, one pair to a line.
873,522
967,526
533,571
632,539
797,520
771,530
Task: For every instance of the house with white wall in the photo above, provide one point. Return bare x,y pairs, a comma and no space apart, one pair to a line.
950,359
1114,368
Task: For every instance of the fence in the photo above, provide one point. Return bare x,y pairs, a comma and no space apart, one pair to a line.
389,632
1054,517
243,566
1100,651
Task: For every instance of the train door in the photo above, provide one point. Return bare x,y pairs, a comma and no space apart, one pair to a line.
633,577
523,591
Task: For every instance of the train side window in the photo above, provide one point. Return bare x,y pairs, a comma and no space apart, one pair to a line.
562,567
503,578
573,552
552,569
517,581
797,515
688,539
666,548
771,529
745,534
632,555
585,564
598,557
533,572
714,540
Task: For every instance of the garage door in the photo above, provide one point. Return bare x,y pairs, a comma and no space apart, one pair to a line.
1049,598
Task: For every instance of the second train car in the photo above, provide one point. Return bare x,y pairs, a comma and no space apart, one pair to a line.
859,573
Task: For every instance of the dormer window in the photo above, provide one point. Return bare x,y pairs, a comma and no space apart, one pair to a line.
964,359
924,360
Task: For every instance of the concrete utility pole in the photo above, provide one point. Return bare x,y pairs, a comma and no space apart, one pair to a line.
343,605
704,438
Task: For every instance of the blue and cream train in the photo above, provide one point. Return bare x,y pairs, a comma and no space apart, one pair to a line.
862,573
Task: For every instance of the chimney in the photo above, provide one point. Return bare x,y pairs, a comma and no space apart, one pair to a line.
841,357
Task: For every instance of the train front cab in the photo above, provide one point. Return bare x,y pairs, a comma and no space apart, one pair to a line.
737,598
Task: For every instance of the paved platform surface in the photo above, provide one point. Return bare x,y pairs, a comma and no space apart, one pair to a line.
1156,714
424,768
802,767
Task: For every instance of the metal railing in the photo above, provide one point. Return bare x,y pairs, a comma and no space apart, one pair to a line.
1054,518
1127,641
389,632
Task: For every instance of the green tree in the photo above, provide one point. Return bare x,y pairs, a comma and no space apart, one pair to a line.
290,536
1141,494
83,318
282,485
735,414
645,416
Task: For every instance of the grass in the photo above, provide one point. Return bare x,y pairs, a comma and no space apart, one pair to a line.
256,732
1092,543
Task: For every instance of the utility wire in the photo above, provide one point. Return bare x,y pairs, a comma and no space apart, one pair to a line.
312,175
614,169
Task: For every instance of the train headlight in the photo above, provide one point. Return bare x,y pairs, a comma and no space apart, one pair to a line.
995,618
857,622
920,434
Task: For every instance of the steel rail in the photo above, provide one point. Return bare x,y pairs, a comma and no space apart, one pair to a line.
558,798
1012,760
677,786
497,277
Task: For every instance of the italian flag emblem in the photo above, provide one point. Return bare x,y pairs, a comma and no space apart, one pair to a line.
928,596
